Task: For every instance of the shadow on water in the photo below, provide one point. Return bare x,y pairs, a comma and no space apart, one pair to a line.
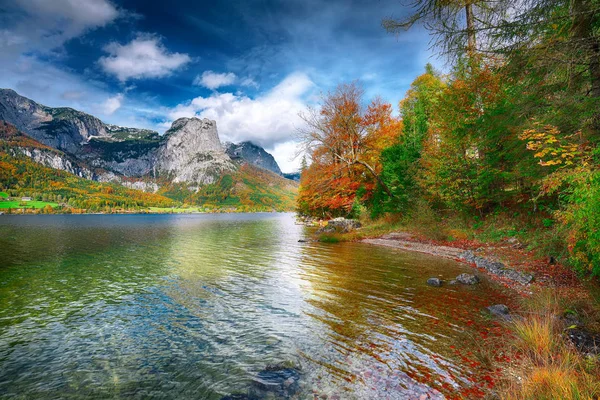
206,306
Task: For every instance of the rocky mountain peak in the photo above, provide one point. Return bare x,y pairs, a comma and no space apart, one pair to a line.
253,154
192,152
201,134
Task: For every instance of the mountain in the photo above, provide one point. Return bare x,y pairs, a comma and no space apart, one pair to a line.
253,154
29,168
188,152
188,157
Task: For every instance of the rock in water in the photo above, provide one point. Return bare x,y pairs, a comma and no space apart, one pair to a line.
278,379
437,282
193,153
467,279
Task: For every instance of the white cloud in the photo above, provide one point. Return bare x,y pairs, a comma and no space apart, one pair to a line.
249,82
285,153
143,57
59,87
43,25
269,120
112,104
80,13
214,80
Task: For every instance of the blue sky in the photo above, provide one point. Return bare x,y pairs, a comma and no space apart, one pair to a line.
250,65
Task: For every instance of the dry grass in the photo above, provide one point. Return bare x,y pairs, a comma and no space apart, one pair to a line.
537,337
556,382
549,368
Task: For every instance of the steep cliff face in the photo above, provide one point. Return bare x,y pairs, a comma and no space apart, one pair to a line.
253,154
192,153
19,144
61,128
55,160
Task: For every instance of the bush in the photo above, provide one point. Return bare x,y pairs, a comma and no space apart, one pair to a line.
582,220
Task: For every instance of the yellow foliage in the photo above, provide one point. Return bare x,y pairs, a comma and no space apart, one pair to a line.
552,148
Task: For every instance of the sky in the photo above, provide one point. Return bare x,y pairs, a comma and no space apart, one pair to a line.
251,65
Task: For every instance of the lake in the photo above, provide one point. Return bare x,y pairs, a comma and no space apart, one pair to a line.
229,306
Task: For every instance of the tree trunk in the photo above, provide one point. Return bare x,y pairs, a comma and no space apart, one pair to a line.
471,40
372,171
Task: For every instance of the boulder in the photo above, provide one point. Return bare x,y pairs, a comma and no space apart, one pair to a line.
327,229
499,310
497,268
585,341
467,279
340,225
437,282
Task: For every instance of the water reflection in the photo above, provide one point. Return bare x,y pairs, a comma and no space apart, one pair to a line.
386,332
196,306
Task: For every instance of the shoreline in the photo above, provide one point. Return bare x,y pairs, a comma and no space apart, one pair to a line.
490,265
148,213
506,261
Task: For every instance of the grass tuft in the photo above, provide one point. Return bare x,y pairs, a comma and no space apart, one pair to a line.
549,367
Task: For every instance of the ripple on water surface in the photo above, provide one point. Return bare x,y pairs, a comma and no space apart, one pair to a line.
197,306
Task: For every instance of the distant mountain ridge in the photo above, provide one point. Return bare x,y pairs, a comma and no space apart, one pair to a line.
190,151
189,155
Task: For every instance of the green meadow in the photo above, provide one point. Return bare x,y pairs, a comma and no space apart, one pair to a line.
29,204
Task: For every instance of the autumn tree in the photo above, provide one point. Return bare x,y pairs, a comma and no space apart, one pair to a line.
343,138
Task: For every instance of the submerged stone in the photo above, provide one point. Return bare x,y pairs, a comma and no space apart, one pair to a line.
280,379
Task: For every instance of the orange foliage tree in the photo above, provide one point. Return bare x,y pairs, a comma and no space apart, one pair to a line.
344,139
